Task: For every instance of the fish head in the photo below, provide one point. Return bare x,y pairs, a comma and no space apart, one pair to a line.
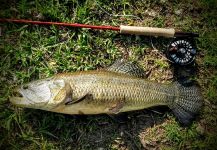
44,94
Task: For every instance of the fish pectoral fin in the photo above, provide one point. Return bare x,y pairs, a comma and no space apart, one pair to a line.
127,67
70,101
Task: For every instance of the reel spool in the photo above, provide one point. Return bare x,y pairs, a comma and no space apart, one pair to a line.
181,51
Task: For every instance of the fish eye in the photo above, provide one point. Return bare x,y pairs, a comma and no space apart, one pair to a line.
25,87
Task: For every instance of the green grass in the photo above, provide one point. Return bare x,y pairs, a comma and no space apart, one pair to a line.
30,52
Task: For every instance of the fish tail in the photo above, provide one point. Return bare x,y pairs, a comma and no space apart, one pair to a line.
187,103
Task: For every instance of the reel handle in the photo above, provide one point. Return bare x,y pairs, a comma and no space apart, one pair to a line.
152,31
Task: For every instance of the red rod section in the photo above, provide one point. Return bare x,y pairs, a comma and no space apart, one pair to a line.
77,25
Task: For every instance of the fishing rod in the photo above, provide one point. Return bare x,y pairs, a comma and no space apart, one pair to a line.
181,50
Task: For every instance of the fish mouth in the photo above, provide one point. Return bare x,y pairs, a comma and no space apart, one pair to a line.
17,98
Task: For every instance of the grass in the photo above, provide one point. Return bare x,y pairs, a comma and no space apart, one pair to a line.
30,52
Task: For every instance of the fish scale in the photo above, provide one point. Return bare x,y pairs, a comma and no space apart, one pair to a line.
112,88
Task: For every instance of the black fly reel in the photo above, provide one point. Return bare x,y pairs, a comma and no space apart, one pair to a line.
181,51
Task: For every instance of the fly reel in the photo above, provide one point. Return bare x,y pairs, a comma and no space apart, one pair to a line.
181,51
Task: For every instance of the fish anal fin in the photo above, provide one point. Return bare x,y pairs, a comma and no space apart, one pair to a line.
127,67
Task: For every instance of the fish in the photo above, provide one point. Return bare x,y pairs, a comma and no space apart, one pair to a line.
122,87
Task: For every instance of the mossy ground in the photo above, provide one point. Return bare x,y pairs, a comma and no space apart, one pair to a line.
29,52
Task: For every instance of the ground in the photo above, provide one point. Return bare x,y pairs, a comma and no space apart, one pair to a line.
30,52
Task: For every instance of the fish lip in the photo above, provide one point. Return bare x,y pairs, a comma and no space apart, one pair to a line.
21,102
16,100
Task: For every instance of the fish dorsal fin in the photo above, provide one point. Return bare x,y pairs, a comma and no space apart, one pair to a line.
127,67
